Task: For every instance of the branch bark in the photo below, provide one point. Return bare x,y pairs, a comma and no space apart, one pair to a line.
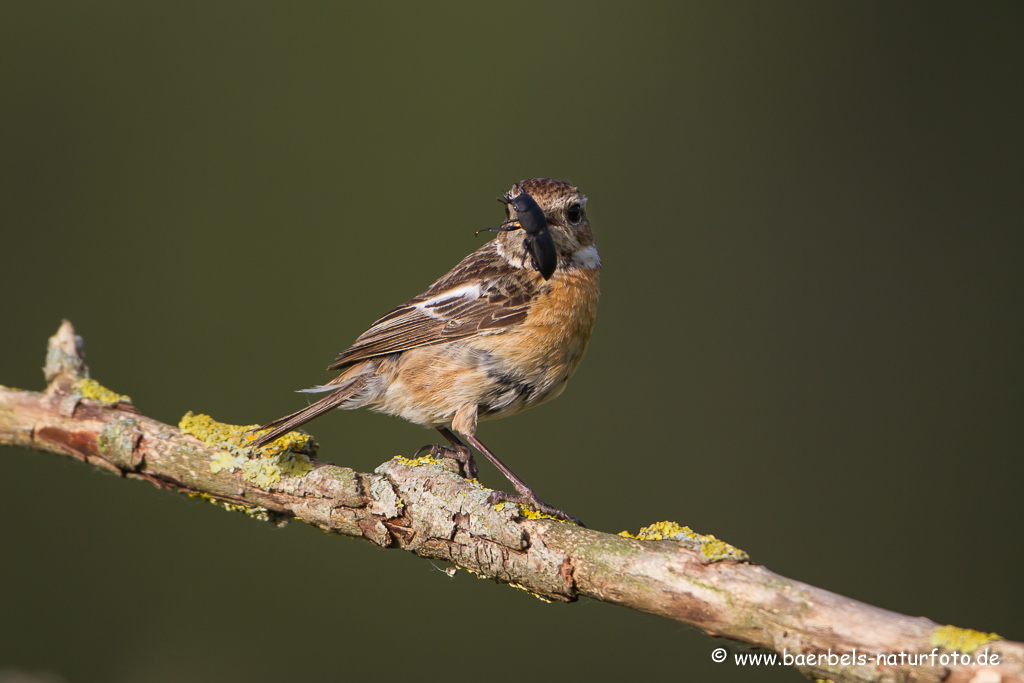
424,507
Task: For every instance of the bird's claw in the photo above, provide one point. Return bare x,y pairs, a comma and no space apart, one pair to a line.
531,500
463,456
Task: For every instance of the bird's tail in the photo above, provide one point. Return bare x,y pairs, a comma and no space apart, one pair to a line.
283,425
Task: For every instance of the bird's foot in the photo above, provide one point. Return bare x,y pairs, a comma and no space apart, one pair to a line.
462,455
530,499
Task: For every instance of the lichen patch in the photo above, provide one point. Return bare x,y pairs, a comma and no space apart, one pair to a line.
94,391
417,462
711,549
256,512
526,511
965,640
287,456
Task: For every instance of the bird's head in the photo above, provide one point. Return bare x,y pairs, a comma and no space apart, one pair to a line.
564,210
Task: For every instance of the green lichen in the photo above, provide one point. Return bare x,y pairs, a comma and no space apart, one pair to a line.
225,461
94,391
711,549
287,456
709,587
117,441
965,640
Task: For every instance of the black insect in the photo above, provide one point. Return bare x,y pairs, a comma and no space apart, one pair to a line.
538,243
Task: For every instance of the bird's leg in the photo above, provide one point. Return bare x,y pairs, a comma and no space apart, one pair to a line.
458,451
526,495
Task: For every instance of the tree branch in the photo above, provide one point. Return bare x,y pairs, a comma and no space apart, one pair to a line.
424,507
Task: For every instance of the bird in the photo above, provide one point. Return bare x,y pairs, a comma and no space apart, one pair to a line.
501,332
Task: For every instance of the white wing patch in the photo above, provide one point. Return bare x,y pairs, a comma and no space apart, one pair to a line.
468,294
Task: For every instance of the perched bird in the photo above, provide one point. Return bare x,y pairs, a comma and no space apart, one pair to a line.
501,332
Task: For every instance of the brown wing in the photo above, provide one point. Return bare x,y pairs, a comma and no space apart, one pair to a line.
481,295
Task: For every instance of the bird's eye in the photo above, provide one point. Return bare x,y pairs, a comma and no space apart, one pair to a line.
574,213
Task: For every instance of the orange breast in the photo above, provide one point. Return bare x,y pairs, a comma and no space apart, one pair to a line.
553,338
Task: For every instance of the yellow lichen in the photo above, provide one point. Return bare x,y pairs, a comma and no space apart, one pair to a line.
287,456
659,531
525,511
527,590
229,436
965,640
94,391
513,584
256,512
714,550
711,549
417,462
530,513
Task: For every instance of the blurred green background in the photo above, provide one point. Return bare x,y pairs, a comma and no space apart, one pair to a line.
809,340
